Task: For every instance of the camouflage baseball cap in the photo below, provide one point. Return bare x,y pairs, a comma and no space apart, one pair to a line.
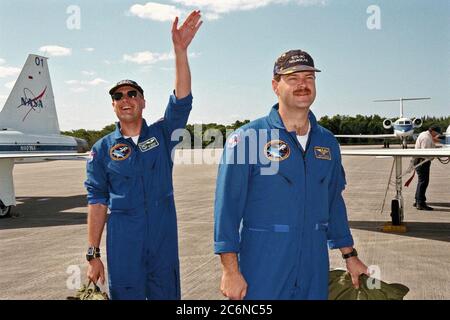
294,61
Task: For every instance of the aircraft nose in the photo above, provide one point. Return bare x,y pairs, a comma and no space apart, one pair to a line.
82,145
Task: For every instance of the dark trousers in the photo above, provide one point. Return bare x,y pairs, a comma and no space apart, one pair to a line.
423,173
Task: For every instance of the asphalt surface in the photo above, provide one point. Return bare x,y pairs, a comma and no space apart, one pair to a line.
42,247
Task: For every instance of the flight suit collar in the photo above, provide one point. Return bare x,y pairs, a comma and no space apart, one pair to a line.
118,134
276,121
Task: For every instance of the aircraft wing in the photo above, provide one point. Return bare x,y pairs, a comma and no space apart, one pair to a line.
437,152
367,136
49,156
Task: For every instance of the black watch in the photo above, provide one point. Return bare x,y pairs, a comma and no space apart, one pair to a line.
92,253
353,253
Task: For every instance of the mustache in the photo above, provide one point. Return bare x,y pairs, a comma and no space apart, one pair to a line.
302,91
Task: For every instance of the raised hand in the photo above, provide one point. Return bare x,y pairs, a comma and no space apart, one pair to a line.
183,36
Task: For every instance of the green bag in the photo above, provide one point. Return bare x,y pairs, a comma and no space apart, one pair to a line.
340,287
86,293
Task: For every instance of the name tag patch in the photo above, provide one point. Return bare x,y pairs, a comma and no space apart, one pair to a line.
148,144
322,153
120,152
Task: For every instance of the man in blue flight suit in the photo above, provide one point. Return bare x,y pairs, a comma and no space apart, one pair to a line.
278,197
130,171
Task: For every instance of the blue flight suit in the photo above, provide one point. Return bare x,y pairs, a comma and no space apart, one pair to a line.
280,224
135,182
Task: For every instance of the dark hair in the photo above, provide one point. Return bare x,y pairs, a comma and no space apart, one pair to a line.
277,77
435,128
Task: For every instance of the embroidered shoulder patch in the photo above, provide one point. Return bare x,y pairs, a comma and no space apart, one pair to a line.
322,153
277,150
120,152
91,156
233,140
148,144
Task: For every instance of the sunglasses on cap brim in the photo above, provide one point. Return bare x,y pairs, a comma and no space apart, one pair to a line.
119,95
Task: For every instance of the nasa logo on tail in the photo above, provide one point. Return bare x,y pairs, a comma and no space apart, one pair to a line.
35,103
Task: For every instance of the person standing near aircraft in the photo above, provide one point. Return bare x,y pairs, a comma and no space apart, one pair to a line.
271,230
425,140
130,171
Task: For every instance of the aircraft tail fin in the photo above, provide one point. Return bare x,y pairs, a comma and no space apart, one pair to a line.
401,102
30,107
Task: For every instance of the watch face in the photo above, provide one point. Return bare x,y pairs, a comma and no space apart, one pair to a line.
90,251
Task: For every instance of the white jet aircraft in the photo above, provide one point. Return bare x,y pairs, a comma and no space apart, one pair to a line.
403,127
397,208
29,129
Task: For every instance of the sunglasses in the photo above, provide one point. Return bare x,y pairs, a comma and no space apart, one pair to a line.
117,96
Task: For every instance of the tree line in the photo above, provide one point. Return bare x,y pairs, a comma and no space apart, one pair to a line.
338,124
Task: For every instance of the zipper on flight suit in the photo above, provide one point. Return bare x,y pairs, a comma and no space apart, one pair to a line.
145,194
147,222
136,150
304,153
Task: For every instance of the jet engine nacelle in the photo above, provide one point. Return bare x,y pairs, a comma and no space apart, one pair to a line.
387,123
417,123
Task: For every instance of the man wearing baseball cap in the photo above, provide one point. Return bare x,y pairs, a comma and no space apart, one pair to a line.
130,172
272,229
425,140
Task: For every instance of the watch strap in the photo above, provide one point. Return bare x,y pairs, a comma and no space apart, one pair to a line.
92,253
353,253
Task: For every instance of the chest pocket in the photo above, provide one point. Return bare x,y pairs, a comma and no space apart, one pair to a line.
320,166
321,172
149,150
122,168
148,158
122,180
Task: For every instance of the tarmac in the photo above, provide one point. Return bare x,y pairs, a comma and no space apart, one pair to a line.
42,248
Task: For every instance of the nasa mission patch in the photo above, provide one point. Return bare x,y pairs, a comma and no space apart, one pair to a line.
277,150
120,152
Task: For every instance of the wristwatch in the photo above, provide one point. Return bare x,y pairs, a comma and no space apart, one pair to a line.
353,253
92,253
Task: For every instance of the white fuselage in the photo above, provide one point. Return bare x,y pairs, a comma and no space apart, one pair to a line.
446,141
403,128
12,141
